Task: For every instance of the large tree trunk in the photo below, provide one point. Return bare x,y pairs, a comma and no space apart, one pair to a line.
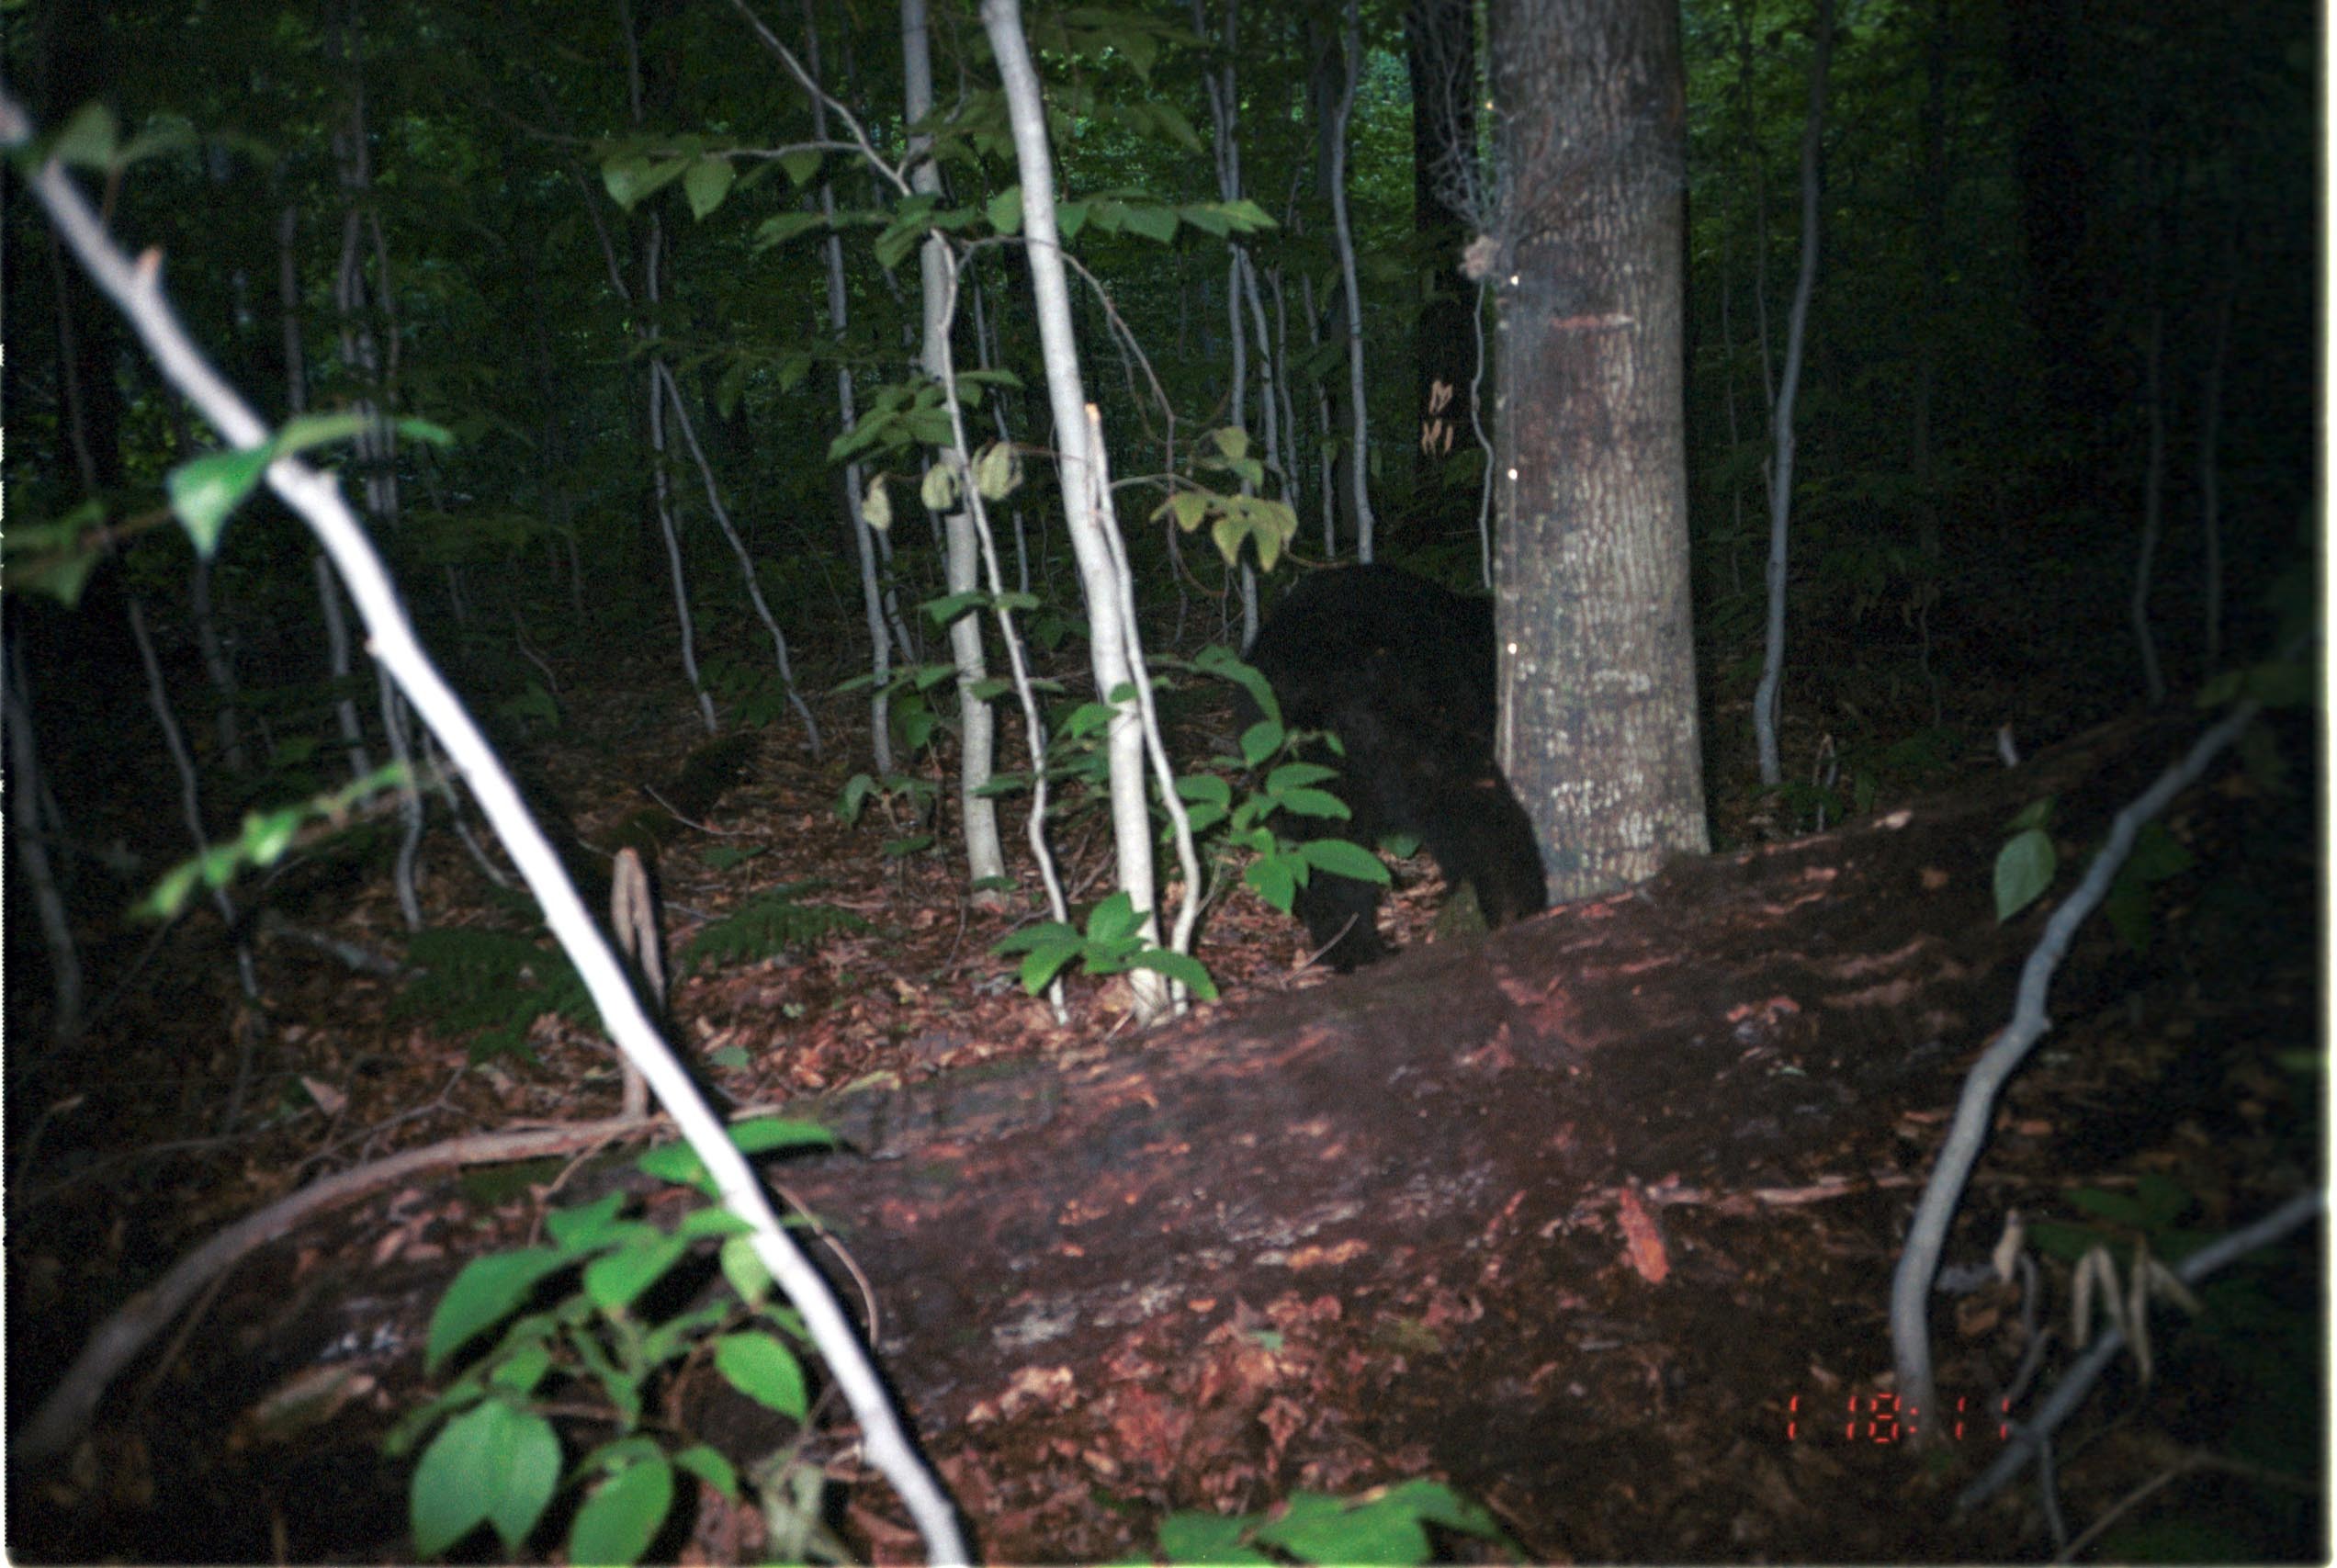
1599,728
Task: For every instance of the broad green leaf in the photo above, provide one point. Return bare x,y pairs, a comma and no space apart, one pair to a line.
618,1521
633,176
588,1227
1179,966
1208,1538
1188,507
206,490
708,1465
942,611
1249,216
1204,788
1372,1533
1047,933
765,1133
617,1279
1345,859
742,1266
522,1369
267,836
762,1369
1315,802
939,493
1272,880
1041,964
1006,210
785,226
997,470
1152,222
1292,775
1261,741
707,183
89,140
2024,870
487,1291
493,1462
800,165
1116,918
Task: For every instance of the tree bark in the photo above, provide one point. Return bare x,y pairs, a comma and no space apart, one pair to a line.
1599,722
1076,1249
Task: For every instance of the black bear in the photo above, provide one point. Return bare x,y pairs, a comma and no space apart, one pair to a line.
1402,672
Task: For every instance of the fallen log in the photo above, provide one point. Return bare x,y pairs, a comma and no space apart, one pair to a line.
1080,1242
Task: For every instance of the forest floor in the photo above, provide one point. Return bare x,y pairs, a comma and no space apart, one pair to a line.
1721,1424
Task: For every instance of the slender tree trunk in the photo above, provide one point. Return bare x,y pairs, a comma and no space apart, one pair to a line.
1598,730
1359,424
1078,460
1766,699
978,720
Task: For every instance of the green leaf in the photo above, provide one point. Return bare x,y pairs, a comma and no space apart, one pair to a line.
589,1227
1179,966
631,177
801,164
1032,938
1341,858
1152,222
1315,802
1006,210
712,1221
1070,217
1247,216
1208,1538
1116,919
1274,881
1261,741
2024,869
493,1462
616,1280
89,140
708,181
1041,964
1439,1505
1205,788
762,1369
785,226
1292,775
618,1521
743,1267
206,490
521,1368
947,608
1324,1529
487,1291
765,1133
708,1465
